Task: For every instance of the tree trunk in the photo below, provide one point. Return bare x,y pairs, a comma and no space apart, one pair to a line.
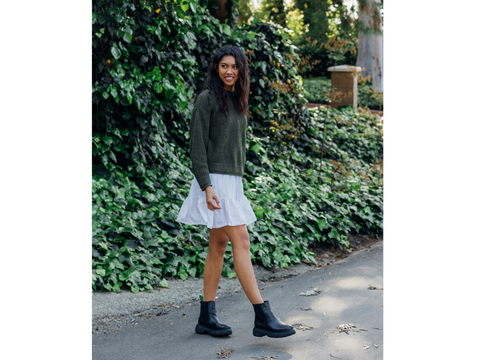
377,77
370,43
222,12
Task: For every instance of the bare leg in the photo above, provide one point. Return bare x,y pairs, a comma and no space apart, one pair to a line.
214,263
243,264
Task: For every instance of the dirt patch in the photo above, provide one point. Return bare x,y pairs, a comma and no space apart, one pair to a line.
326,253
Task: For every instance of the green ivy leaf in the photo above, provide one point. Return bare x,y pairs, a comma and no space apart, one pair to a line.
100,33
322,224
127,37
251,36
112,156
192,271
157,87
164,283
226,29
100,272
129,98
182,273
256,148
184,5
259,213
115,52
169,89
333,234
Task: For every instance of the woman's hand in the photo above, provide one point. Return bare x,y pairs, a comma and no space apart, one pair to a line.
212,195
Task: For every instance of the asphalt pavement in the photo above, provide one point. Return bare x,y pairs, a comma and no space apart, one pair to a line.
345,320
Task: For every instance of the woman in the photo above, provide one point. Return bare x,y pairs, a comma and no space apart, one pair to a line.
216,199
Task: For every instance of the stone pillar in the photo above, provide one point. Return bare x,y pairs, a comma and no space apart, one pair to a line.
344,85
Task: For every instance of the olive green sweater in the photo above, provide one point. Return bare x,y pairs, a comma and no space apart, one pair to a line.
217,142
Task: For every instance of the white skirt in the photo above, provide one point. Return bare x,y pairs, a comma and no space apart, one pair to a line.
236,209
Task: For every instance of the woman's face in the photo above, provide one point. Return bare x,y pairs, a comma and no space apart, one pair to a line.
228,71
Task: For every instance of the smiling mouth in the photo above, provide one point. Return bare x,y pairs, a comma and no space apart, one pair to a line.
228,78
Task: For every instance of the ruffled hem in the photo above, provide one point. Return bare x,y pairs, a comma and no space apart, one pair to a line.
194,211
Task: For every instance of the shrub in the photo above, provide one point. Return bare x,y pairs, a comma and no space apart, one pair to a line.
319,53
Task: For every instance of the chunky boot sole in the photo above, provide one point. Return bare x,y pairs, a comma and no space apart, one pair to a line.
260,332
201,329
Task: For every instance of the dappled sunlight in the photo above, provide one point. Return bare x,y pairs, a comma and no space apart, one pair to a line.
330,305
358,282
352,282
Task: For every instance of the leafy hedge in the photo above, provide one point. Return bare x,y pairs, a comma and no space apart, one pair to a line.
149,58
316,52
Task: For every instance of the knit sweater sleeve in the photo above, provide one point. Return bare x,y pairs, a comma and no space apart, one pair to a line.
199,132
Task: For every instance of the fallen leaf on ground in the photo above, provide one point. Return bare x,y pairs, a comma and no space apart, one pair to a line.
370,287
365,347
302,327
225,353
346,328
305,308
315,291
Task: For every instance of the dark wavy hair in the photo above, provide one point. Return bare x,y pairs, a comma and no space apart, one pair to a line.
242,85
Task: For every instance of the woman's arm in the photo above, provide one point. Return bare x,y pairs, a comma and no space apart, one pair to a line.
199,130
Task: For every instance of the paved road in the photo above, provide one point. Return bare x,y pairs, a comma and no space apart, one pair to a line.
345,298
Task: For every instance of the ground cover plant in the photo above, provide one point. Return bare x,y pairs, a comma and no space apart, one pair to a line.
149,59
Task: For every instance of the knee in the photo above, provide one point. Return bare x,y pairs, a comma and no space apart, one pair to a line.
243,243
219,247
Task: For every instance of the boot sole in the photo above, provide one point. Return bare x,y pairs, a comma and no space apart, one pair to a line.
260,332
200,329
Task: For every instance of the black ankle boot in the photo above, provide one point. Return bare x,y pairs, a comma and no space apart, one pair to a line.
208,322
267,324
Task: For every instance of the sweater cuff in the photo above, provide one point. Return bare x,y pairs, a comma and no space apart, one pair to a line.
203,189
203,180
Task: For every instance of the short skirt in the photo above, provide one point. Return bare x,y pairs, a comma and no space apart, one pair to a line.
236,209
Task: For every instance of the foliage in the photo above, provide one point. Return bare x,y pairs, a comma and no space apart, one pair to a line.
277,98
149,59
245,11
318,91
274,11
306,65
325,18
294,22
313,21
95,141
288,189
319,53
